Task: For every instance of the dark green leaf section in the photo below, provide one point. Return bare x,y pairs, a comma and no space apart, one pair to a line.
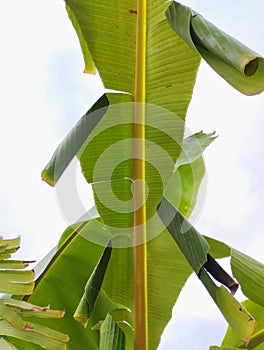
237,64
92,288
195,249
231,339
111,335
191,243
250,275
73,141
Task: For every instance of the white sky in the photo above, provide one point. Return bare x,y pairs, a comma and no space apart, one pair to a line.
43,93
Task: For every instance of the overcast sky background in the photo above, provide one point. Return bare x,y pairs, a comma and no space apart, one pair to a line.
43,94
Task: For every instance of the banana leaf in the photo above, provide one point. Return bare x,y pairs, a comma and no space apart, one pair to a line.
138,55
240,66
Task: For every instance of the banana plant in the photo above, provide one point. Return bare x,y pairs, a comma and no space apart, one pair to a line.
119,274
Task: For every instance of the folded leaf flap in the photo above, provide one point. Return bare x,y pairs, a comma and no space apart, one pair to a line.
193,147
218,249
111,335
72,143
183,187
237,64
92,288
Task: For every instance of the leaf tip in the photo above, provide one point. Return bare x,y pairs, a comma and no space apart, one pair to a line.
82,320
45,177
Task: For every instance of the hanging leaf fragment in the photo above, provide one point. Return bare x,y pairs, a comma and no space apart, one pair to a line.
183,187
237,64
73,141
111,335
93,288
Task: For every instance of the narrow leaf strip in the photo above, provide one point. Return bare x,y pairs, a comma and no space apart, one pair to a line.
238,65
111,335
7,244
72,143
30,310
11,316
46,338
92,289
14,264
13,280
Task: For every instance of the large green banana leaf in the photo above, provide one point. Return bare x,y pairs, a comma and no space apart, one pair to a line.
108,37
107,32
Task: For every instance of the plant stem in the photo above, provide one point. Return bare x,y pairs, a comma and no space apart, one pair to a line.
140,247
